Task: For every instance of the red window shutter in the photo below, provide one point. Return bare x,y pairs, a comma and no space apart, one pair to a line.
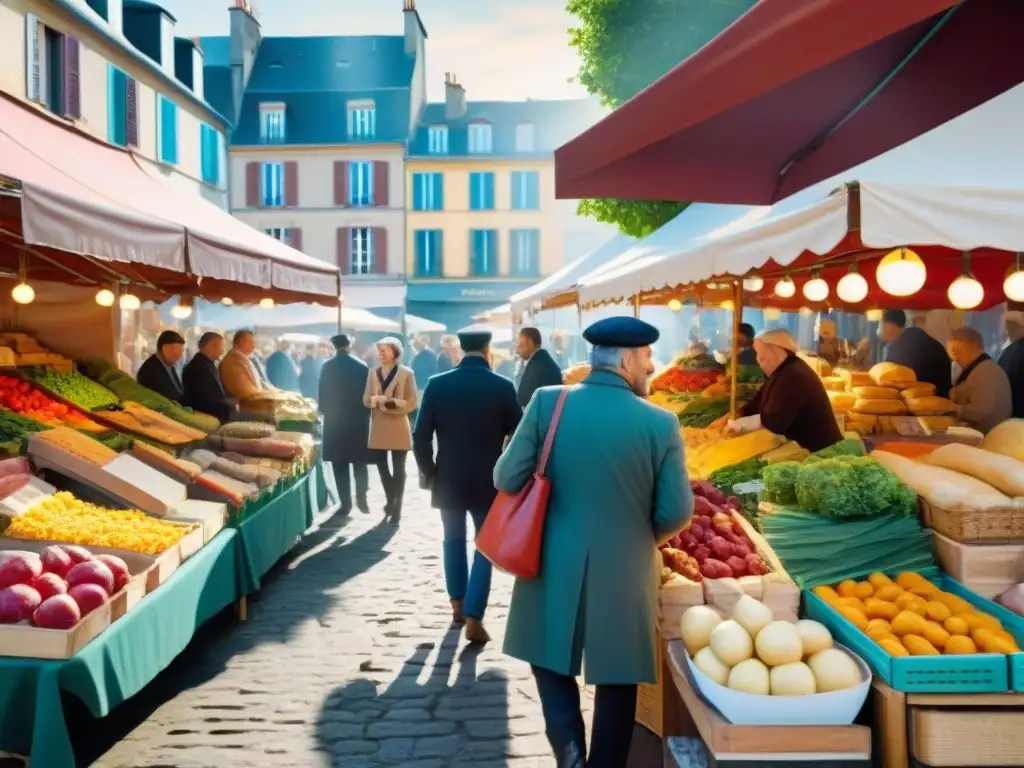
344,249
132,112
252,185
72,78
380,250
296,239
380,184
341,183
291,184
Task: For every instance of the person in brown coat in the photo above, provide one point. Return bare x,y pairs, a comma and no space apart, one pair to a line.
390,395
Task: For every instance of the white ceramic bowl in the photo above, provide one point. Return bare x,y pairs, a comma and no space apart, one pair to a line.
739,708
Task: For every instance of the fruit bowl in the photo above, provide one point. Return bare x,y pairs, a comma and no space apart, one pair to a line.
833,708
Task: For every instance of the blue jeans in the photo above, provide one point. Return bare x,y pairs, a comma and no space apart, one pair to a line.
473,588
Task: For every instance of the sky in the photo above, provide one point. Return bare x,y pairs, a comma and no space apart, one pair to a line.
498,50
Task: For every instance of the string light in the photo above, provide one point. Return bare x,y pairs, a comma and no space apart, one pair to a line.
182,310
728,305
753,284
129,301
785,288
816,289
1013,285
675,305
965,292
227,301
873,315
105,297
852,287
901,273
267,303
23,293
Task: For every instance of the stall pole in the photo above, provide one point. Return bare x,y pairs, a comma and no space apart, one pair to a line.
636,306
737,318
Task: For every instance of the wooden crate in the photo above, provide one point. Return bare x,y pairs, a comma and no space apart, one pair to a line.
650,697
988,569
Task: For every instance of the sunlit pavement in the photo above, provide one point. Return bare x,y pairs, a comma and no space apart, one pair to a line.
348,659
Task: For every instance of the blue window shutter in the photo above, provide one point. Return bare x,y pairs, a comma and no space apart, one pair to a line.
517,180
438,181
438,251
117,129
417,191
474,194
489,196
533,187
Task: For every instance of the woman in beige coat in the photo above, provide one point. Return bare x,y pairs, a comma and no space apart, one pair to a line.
390,395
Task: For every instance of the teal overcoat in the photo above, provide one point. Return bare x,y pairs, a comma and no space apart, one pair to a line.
618,486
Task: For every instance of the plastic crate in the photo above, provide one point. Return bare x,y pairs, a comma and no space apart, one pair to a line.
979,673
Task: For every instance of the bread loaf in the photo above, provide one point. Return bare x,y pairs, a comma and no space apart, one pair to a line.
834,383
818,364
938,423
877,393
944,488
892,375
930,406
918,389
841,401
877,407
856,378
862,424
1004,473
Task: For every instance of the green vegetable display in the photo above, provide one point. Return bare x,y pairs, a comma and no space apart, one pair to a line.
701,413
780,482
842,448
742,472
76,388
750,374
16,428
125,387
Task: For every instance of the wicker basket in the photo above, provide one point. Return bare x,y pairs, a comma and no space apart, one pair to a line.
992,525
958,737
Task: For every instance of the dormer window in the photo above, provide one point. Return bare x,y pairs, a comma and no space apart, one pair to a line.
272,123
525,138
362,119
437,139
481,140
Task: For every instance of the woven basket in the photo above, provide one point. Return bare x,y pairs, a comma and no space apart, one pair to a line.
980,737
992,525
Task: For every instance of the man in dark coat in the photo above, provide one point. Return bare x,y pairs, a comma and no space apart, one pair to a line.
203,389
160,370
539,369
916,349
282,370
747,355
346,423
424,362
1012,360
471,410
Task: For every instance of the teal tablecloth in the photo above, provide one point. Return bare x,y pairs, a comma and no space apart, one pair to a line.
118,663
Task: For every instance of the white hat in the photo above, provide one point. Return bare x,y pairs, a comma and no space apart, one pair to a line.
391,341
778,337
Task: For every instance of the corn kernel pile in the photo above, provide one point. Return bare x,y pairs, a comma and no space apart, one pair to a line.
66,519
912,617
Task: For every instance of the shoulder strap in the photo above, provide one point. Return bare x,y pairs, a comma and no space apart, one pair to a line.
549,439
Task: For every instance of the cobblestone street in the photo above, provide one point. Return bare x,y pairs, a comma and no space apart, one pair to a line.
347,659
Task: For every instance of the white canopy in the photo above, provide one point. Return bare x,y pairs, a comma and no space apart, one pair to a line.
500,315
959,186
291,316
415,324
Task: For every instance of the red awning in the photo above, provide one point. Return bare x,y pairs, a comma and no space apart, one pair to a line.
794,92
81,196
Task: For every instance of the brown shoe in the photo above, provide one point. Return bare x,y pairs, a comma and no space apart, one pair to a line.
458,617
476,633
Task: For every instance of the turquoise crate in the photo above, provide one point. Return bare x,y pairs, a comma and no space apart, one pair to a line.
979,673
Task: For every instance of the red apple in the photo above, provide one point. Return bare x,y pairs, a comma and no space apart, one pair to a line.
119,568
89,597
49,584
56,560
57,612
92,572
20,569
77,554
17,603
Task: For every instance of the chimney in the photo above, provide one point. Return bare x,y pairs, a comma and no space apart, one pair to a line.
454,98
246,36
415,32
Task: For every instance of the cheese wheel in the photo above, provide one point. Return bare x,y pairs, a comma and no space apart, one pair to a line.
891,374
877,393
930,406
879,407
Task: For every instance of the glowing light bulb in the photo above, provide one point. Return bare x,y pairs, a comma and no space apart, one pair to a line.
816,290
728,305
901,273
227,301
1013,285
105,298
753,284
852,288
772,314
181,311
129,301
266,303
965,292
675,305
785,288
23,293
873,315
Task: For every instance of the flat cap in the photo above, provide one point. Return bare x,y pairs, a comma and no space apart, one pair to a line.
341,341
474,339
626,332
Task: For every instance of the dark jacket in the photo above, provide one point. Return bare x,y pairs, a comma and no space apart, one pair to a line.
541,371
153,375
916,349
793,403
203,389
424,365
346,419
747,356
471,410
309,375
282,372
1012,362
444,362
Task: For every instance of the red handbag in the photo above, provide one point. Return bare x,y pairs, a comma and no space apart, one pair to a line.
513,531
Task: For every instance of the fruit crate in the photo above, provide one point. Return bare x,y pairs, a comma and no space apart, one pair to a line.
978,673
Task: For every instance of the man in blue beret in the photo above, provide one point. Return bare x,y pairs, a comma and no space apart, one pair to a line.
472,411
618,490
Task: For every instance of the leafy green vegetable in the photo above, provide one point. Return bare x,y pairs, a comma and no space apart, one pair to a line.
850,487
749,374
703,412
780,482
848,447
741,472
73,386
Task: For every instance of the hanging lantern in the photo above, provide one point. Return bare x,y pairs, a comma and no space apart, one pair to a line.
873,315
266,303
23,293
785,288
182,310
965,292
728,305
129,301
227,301
1013,285
771,314
105,297
816,289
675,305
901,273
753,284
852,287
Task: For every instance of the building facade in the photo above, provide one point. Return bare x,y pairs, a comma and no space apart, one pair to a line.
482,220
318,150
118,71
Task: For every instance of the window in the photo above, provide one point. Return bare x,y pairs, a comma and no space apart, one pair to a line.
525,191
284,234
123,117
362,120
481,191
429,245
167,130
428,191
437,139
211,150
362,250
360,183
272,185
484,253
525,252
525,137
52,69
480,138
272,124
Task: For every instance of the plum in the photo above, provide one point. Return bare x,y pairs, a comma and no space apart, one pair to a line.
92,572
57,612
17,603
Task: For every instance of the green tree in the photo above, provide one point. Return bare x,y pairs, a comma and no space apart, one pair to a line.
625,45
